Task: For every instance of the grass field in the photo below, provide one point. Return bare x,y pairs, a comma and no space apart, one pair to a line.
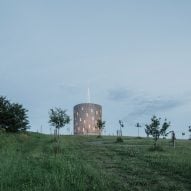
32,163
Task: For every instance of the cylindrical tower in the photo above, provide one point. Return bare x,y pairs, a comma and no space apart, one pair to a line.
86,116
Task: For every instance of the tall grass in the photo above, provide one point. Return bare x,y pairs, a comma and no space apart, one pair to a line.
34,162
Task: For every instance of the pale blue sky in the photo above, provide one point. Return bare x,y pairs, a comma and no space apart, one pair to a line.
136,56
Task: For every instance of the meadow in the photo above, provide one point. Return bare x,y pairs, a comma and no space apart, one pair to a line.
35,162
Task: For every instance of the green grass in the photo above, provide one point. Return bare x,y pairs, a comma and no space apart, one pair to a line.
35,162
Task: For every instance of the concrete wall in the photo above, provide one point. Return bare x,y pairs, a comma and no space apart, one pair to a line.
85,118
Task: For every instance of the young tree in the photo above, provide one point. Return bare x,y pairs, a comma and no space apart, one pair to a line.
173,137
138,126
156,130
13,117
147,130
189,130
183,134
121,126
100,125
58,119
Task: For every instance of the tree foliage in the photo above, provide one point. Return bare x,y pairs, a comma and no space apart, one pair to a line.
100,125
121,124
13,117
155,129
138,125
58,118
147,130
189,130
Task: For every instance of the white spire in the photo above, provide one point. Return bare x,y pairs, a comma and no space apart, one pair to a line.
89,98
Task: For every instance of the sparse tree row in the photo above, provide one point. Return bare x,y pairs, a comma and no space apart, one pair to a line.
13,118
156,129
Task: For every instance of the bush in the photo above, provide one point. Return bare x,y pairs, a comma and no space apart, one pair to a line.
23,137
119,140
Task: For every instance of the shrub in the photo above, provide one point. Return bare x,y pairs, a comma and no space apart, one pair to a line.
119,140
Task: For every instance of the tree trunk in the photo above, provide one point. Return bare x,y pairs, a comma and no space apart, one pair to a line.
155,143
174,144
58,132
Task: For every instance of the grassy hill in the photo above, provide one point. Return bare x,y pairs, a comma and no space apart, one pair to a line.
32,162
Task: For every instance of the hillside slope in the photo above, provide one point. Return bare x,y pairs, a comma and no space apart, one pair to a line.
34,162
